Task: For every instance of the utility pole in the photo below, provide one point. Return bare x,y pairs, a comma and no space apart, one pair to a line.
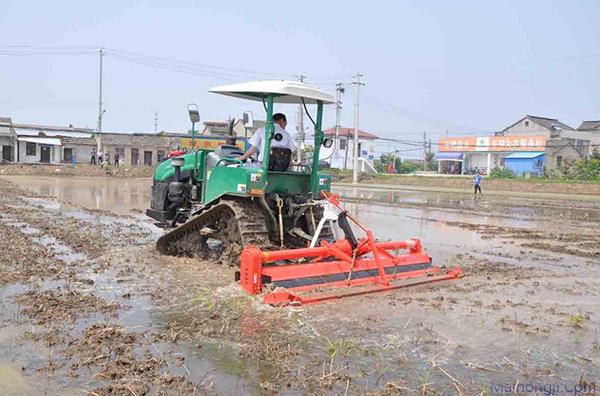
155,122
429,150
339,88
425,151
347,140
356,83
300,124
100,111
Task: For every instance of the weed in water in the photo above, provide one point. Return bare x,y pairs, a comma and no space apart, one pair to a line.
577,320
339,348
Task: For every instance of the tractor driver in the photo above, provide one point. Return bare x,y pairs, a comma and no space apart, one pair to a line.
257,140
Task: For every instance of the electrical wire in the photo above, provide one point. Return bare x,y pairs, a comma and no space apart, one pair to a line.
187,66
399,111
193,65
45,52
162,66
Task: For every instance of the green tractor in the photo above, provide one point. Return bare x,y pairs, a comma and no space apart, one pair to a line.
211,194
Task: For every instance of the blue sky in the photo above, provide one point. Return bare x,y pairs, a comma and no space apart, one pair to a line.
462,66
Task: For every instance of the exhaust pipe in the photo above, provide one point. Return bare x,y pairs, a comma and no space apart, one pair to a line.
177,162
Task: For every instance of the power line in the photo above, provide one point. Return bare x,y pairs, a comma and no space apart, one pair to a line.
141,59
168,67
66,47
232,72
399,111
48,52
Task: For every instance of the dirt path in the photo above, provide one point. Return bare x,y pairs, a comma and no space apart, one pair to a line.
466,188
89,306
465,184
67,170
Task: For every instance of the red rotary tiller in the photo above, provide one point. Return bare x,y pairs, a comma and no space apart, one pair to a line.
294,275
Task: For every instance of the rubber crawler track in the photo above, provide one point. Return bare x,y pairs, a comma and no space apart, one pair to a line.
236,223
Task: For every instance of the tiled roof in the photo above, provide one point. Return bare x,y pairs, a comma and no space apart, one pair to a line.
552,124
589,125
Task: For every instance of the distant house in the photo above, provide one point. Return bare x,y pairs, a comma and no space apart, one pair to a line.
136,149
46,143
536,125
563,142
343,157
8,140
591,130
559,142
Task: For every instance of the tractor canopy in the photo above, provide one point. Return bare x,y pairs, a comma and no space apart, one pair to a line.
281,91
288,92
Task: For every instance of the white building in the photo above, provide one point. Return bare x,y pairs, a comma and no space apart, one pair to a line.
45,144
7,140
340,154
589,130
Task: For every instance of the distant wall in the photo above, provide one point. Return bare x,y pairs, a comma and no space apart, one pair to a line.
527,128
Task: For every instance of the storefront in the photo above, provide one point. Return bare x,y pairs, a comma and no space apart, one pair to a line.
450,163
484,153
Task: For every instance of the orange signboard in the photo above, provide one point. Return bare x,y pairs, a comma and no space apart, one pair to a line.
493,143
209,144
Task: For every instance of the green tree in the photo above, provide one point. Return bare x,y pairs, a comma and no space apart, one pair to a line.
381,164
402,167
501,173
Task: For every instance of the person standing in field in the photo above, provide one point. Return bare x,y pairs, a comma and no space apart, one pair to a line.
117,158
477,183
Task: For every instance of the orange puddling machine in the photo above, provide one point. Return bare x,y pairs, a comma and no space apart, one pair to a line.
347,267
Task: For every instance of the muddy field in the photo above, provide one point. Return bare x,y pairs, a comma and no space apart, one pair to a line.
89,306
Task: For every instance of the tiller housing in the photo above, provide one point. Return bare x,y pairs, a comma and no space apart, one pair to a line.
296,275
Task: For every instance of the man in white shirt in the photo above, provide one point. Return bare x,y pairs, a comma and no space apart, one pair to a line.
257,140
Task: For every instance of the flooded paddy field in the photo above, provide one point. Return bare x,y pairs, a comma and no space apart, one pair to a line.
89,306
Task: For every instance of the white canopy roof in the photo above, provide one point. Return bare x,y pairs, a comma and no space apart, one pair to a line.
37,132
41,140
285,91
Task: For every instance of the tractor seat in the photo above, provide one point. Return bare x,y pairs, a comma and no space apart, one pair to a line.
223,151
280,159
